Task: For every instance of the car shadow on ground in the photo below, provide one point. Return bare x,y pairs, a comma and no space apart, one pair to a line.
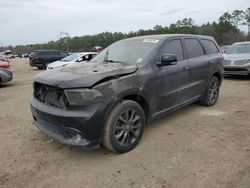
236,77
7,85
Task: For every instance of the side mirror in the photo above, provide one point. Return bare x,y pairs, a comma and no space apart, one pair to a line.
167,59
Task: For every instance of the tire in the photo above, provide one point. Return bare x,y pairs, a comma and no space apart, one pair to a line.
212,92
124,127
40,67
1,82
45,66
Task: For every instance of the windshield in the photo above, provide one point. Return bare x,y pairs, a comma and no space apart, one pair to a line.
127,51
239,48
71,57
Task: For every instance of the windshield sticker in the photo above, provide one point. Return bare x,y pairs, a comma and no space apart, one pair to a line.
150,40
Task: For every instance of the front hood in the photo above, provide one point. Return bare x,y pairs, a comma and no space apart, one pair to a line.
236,57
84,75
57,64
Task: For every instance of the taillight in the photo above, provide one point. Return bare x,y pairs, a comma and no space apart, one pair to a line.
5,65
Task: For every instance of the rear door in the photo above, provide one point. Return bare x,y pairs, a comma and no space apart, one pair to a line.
171,79
197,64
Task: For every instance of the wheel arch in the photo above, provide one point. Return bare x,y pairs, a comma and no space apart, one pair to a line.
136,98
217,75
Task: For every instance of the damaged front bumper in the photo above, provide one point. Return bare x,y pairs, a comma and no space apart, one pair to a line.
81,127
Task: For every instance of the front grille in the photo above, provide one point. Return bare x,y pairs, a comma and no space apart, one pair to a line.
235,69
50,95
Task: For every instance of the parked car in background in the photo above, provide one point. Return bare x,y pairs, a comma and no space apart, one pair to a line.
4,64
72,59
237,59
25,55
41,58
97,49
3,58
5,75
224,48
133,81
10,56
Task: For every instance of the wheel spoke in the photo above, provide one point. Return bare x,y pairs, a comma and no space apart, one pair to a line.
127,115
118,136
133,132
136,126
136,118
211,96
118,128
124,138
132,115
122,119
129,138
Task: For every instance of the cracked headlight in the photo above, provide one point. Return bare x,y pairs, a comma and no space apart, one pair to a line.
82,96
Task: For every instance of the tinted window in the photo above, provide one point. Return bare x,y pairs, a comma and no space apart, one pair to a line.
210,46
173,47
33,53
194,48
49,53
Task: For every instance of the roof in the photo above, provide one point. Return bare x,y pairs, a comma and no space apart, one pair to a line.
245,42
84,53
165,36
46,50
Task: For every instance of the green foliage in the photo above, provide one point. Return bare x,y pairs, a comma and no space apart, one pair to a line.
225,32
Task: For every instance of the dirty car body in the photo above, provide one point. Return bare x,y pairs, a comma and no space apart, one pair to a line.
72,104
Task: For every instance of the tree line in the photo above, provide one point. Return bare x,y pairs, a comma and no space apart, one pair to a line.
225,31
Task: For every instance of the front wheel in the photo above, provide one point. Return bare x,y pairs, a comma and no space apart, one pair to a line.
212,92
124,126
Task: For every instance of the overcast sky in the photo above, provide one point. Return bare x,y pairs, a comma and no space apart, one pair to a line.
40,21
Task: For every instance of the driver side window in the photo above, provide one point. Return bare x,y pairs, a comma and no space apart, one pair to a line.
173,47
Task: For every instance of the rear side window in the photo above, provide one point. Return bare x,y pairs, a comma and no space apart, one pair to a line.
33,53
194,48
173,47
210,46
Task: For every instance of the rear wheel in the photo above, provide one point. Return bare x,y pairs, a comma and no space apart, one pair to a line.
40,67
1,82
124,126
212,92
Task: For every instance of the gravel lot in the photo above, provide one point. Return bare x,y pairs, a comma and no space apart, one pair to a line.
194,147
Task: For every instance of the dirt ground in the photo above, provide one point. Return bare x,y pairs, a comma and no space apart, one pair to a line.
193,147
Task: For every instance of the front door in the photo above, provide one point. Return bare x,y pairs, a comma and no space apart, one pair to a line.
172,80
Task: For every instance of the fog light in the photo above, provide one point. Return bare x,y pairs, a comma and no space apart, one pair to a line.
76,139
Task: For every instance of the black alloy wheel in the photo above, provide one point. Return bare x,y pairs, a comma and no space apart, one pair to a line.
124,126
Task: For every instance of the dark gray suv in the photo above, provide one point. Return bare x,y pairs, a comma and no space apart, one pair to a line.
109,100
41,58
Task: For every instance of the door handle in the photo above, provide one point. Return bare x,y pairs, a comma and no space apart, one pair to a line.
185,68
